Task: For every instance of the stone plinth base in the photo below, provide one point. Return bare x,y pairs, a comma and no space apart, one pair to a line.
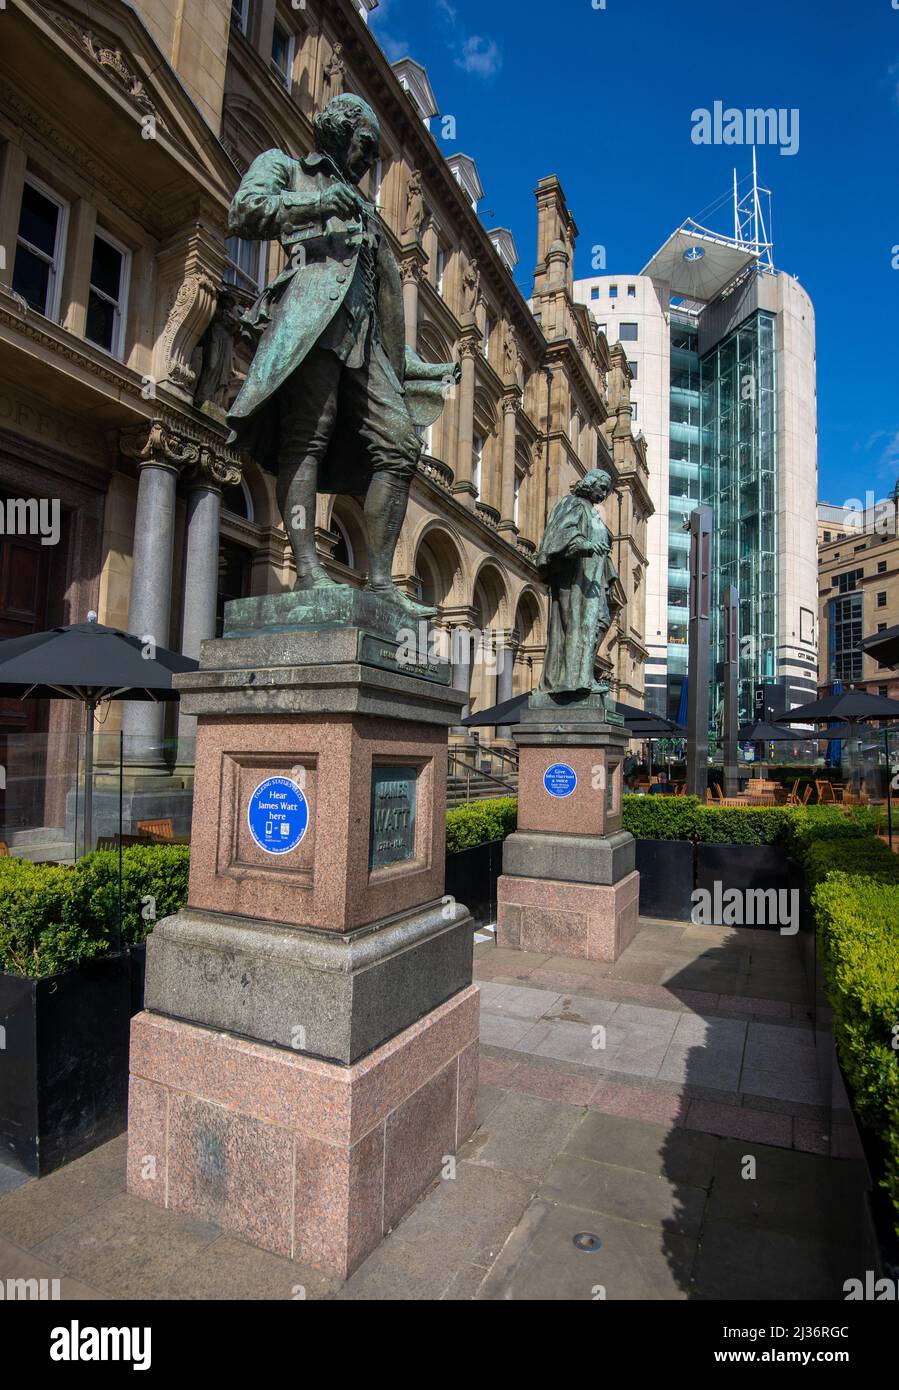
594,921
309,1159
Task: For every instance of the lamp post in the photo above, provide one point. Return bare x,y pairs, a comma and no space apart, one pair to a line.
700,527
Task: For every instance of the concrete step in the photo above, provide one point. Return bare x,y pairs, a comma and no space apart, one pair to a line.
42,835
61,851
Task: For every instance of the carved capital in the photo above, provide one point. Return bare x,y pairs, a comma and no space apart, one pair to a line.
411,270
215,468
157,444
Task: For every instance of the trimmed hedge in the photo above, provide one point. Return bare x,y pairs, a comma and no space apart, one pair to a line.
479,822
863,857
858,933
686,818
53,919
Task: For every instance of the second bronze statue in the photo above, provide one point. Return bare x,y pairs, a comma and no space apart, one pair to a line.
334,399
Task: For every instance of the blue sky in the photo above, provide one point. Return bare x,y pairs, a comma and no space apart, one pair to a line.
560,87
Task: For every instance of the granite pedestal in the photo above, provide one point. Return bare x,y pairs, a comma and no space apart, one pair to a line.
568,885
307,1059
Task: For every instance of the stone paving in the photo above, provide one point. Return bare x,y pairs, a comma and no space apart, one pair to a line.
625,1102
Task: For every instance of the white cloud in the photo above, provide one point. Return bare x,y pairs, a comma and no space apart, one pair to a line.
480,56
395,49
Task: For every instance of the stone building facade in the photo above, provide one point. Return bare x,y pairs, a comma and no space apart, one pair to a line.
124,132
858,593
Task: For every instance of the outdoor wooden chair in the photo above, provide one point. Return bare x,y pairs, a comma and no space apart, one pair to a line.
717,794
793,794
825,793
161,829
4,850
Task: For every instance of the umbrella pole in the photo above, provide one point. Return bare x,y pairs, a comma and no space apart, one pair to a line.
89,707
886,741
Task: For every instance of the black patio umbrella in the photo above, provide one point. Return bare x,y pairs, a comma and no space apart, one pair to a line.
509,711
883,646
640,723
764,732
90,663
854,707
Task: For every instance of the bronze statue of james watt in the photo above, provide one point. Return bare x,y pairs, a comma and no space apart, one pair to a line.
333,395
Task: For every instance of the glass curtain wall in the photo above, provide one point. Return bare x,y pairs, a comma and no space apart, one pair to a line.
683,492
739,483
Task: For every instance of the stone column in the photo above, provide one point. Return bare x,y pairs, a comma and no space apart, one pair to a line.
506,651
201,559
463,487
511,403
160,455
411,267
12,179
461,655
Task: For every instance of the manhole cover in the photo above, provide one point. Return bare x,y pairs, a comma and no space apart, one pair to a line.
585,1240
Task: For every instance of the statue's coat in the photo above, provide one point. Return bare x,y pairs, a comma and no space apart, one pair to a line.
280,199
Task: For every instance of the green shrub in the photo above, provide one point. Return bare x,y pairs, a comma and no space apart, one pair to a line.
863,856
660,817
858,931
41,931
794,827
53,919
479,822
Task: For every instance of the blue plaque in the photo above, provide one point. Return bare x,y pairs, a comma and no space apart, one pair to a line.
278,815
560,779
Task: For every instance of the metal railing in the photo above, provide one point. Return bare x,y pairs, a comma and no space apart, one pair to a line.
465,772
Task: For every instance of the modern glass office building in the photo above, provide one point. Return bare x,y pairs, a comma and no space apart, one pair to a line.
722,350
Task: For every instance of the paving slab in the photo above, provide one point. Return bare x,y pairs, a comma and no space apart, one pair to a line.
37,1210
734,1262
522,1135
647,1148
127,1247
460,1225
541,1262
19,1264
647,1199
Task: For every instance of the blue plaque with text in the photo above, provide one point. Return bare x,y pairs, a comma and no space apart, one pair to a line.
560,779
278,815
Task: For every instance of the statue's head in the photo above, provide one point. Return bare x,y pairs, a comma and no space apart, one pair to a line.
349,133
595,485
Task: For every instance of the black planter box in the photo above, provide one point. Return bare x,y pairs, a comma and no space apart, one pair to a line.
666,878
743,867
64,1061
471,876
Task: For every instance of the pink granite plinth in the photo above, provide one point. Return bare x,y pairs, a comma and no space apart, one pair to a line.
308,1159
326,882
593,921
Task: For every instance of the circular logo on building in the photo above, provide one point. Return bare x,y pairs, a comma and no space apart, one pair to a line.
560,779
695,253
278,815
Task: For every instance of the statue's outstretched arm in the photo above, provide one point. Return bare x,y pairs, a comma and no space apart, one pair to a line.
263,210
